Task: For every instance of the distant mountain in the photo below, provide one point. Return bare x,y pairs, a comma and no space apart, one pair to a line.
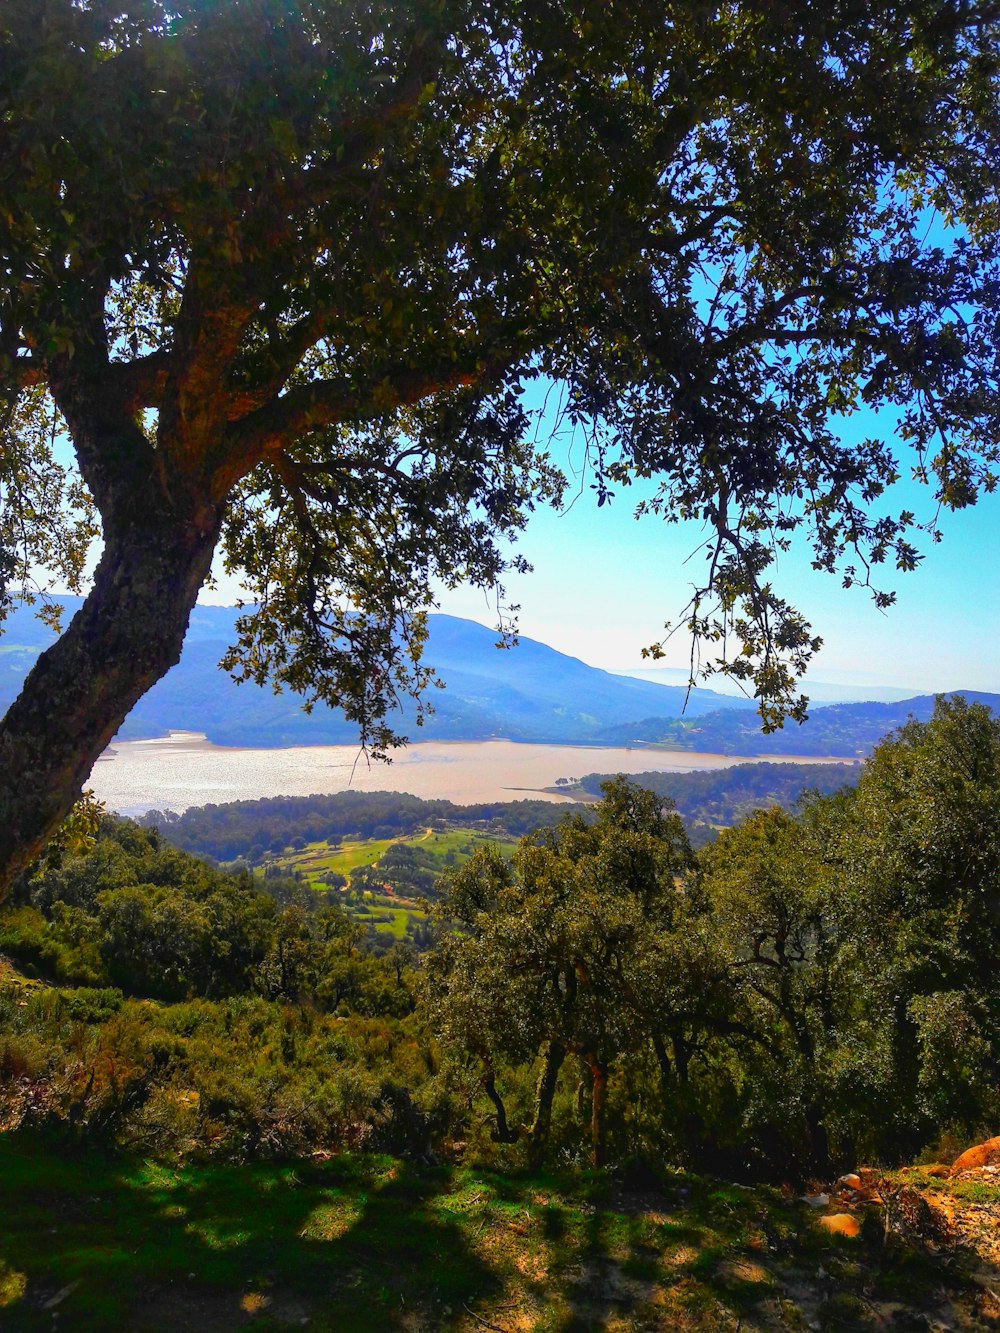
819,692
841,730
527,693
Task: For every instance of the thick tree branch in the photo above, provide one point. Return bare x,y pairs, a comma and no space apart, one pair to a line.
141,383
699,231
327,402
284,355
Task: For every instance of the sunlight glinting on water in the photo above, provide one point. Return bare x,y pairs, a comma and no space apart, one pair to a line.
184,769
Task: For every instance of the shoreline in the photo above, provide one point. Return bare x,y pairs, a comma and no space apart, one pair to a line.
175,772
196,742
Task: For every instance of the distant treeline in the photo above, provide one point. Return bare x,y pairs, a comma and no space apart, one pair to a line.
720,798
251,828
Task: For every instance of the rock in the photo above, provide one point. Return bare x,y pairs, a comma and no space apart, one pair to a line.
937,1171
850,1181
983,1154
60,1296
840,1224
858,1186
816,1200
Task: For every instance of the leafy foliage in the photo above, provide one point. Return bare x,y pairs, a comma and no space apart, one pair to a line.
821,986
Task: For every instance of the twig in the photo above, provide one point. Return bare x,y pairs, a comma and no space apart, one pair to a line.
479,1320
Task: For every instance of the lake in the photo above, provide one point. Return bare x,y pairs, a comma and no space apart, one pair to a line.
185,769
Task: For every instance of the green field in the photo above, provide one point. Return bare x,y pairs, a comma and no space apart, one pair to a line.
387,914
446,848
317,859
449,847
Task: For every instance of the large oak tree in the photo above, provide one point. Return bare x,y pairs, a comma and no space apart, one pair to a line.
280,271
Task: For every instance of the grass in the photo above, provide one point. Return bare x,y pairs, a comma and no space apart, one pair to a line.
452,846
319,858
392,917
370,1243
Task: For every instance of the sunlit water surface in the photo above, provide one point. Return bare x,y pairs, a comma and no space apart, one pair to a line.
184,769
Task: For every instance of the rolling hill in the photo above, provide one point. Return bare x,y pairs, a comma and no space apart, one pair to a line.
527,693
843,730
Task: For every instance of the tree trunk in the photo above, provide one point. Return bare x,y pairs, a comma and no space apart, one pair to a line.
598,1118
127,634
503,1132
544,1095
663,1063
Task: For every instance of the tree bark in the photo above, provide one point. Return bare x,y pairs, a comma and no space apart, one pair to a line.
127,634
546,1091
598,1117
503,1132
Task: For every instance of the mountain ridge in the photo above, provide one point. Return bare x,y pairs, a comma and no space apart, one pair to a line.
848,731
527,693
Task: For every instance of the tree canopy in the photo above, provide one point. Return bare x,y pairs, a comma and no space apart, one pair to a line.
281,271
809,987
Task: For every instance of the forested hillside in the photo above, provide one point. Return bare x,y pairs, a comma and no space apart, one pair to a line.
250,828
719,798
262,832
816,988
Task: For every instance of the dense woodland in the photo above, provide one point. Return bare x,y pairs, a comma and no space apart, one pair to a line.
718,798
813,986
253,830
247,829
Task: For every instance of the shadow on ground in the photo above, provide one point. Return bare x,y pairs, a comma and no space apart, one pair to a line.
92,1242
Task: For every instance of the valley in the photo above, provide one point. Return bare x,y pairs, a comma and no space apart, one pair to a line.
385,882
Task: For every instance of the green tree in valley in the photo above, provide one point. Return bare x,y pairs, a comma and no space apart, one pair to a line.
774,906
557,949
281,271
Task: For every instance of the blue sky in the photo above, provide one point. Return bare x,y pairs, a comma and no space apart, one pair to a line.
604,584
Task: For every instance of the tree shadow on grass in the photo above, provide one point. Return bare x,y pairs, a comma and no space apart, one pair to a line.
608,1257
369,1243
353,1244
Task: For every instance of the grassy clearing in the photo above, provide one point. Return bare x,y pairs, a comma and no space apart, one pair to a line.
393,918
364,1243
387,914
451,847
318,858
